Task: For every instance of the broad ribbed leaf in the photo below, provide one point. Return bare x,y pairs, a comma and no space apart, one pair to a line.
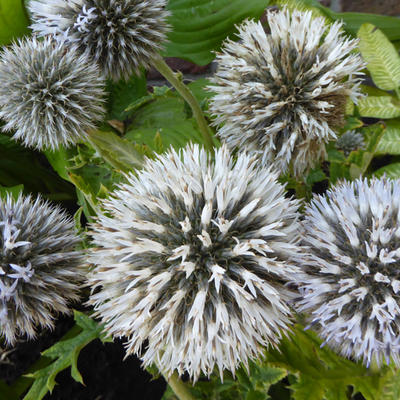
390,141
13,20
379,107
383,61
200,26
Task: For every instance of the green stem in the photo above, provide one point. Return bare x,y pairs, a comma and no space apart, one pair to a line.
179,388
185,92
397,90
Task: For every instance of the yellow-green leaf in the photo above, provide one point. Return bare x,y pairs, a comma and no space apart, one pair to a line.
390,141
383,61
379,107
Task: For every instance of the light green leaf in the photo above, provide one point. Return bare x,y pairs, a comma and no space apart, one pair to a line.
13,20
391,171
390,141
166,118
64,354
14,191
200,26
383,61
379,107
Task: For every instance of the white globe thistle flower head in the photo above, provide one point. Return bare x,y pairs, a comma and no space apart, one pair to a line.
40,266
352,292
281,94
350,141
192,256
49,95
121,36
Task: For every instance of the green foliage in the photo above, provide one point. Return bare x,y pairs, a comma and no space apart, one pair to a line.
383,61
13,20
379,107
319,373
164,116
390,141
13,191
64,354
390,26
200,26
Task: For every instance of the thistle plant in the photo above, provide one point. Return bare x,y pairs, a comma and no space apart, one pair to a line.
192,255
121,36
40,266
350,141
352,289
50,96
281,93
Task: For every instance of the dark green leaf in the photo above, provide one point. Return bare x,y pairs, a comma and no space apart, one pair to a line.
200,26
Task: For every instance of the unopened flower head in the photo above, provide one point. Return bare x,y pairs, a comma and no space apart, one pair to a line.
193,257
281,94
39,265
49,95
352,292
350,141
119,35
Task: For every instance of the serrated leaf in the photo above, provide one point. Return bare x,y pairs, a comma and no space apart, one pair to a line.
383,61
200,26
390,141
321,372
166,119
379,107
64,354
13,20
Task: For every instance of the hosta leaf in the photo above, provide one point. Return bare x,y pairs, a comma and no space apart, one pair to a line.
379,107
64,355
13,20
200,26
383,61
390,141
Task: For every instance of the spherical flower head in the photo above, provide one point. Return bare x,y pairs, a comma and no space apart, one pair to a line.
350,141
193,256
51,96
281,94
121,36
39,265
352,292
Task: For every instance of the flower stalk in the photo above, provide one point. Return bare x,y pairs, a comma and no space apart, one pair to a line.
185,92
179,387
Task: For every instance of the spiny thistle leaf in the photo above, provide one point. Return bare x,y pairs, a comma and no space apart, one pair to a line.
65,354
321,373
381,56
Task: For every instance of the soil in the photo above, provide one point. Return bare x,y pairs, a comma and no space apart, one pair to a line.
105,374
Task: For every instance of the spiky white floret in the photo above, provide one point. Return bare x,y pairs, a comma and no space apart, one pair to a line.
281,94
121,36
49,95
193,256
353,288
40,267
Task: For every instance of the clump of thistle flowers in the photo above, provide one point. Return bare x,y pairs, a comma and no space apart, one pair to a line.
353,284
350,141
282,94
40,268
49,95
121,36
193,255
